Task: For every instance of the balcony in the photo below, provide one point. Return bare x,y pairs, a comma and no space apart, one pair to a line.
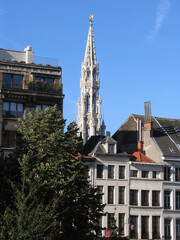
42,86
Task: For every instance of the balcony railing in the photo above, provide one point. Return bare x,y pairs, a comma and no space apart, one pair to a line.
41,86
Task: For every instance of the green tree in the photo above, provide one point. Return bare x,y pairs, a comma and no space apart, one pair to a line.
51,198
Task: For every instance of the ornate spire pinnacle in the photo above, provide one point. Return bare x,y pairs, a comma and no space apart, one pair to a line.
91,19
90,53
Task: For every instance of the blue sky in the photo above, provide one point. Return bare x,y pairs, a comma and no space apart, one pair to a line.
137,46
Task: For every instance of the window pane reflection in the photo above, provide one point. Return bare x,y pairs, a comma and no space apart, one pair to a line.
7,80
19,110
17,81
11,109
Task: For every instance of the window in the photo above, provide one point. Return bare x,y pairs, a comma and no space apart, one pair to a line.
100,191
110,171
121,224
133,227
12,81
155,174
167,174
155,227
167,229
99,171
121,195
9,139
155,198
111,222
88,102
178,229
177,175
144,227
110,195
134,173
99,230
12,110
133,197
111,148
177,200
145,174
144,198
41,107
167,199
44,79
121,172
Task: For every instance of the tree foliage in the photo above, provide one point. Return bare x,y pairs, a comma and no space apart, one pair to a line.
51,197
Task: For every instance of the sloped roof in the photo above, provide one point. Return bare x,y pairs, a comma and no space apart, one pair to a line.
140,157
95,144
166,132
91,144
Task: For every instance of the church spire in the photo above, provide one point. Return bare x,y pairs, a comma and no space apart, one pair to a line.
89,104
90,53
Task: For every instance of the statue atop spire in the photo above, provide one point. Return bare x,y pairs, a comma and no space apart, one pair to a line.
89,104
91,19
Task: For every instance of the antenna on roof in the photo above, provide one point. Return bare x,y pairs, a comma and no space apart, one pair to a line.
147,111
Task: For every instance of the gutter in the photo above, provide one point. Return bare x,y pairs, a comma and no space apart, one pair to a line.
166,158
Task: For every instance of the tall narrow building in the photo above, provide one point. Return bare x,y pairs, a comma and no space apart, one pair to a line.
89,104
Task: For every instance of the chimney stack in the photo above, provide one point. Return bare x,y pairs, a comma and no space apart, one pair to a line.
148,125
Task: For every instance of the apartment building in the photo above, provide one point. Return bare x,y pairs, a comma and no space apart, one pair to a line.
146,198
160,141
132,188
109,172
24,86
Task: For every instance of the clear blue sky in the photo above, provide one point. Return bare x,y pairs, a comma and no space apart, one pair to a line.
137,46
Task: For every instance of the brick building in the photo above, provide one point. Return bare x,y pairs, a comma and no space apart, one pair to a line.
24,87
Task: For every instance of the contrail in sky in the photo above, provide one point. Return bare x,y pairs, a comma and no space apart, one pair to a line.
161,13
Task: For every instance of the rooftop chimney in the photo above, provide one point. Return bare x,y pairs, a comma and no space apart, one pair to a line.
139,136
148,125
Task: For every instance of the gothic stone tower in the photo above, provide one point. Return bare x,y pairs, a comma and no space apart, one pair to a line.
89,104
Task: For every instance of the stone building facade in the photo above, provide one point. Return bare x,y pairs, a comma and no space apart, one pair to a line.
24,87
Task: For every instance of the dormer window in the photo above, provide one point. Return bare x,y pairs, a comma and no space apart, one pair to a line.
111,148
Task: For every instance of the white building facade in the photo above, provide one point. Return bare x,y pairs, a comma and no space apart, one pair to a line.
133,192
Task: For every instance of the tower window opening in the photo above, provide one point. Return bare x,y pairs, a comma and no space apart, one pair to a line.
88,103
94,74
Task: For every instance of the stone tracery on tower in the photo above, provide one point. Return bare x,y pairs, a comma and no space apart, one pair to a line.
89,103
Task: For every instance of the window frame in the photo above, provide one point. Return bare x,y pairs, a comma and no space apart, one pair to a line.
134,173
121,199
110,171
144,197
134,197
121,219
156,227
12,81
177,200
167,174
155,198
100,191
9,137
121,172
167,199
144,227
99,171
110,195
144,174
177,174
167,228
133,227
10,111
